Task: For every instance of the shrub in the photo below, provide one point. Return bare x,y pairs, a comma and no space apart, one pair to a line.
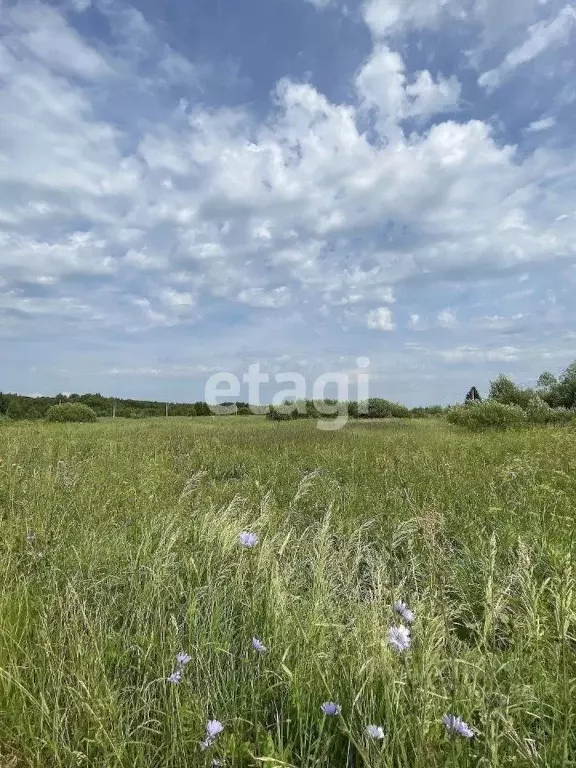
378,408
70,412
276,415
486,415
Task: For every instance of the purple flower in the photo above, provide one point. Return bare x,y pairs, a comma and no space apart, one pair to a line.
247,539
455,725
175,677
330,708
399,638
375,732
401,608
183,658
258,645
213,729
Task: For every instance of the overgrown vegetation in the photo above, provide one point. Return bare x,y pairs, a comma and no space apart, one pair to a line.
553,402
19,407
119,549
491,414
71,412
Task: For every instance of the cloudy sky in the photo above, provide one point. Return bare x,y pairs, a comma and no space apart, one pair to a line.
189,186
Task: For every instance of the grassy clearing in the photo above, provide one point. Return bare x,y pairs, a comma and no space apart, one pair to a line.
136,558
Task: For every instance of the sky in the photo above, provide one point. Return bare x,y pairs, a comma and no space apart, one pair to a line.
194,186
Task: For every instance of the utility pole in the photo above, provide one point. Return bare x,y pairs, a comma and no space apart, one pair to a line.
114,409
166,410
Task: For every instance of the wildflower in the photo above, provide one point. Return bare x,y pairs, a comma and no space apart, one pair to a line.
375,732
401,608
399,638
30,537
175,677
455,725
330,708
183,658
247,539
213,729
258,645
217,763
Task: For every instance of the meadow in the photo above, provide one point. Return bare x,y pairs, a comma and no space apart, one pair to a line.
119,549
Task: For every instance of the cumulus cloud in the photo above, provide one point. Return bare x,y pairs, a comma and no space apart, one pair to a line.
447,319
132,198
380,319
415,322
382,85
249,211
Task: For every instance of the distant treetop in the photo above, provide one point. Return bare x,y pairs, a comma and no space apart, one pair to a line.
473,396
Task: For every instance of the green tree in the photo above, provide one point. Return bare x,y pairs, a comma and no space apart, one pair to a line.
473,396
504,391
546,380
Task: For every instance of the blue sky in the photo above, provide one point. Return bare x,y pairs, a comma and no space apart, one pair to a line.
187,187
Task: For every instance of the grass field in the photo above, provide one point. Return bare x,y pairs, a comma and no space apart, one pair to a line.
136,557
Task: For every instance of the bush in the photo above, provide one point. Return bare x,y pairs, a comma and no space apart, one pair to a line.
277,415
70,412
489,414
378,408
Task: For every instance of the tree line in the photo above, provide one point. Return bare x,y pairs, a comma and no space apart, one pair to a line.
20,407
555,392
17,407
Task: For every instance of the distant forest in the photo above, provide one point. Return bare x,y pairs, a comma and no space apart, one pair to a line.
18,407
550,391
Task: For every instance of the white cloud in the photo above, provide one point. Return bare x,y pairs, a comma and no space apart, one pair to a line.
80,5
541,36
382,84
145,261
386,16
541,125
464,354
177,300
494,22
41,32
500,322
429,98
380,319
385,293
26,305
447,319
123,205
273,298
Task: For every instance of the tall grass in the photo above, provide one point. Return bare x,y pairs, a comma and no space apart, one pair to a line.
136,557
